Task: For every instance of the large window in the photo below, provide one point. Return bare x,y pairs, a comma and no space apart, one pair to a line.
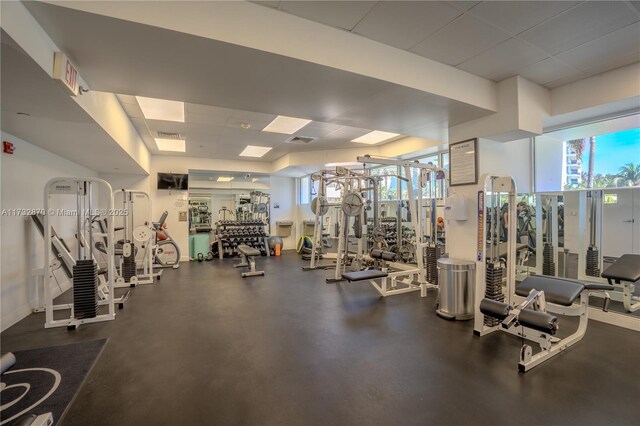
605,154
388,184
305,190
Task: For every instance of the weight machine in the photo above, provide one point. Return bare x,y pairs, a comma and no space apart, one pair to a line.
135,237
84,268
352,184
427,250
529,309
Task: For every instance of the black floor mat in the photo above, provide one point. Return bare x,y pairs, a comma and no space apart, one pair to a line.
46,379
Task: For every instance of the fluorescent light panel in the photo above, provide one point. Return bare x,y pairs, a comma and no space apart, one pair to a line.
374,137
225,178
175,145
287,125
161,109
255,151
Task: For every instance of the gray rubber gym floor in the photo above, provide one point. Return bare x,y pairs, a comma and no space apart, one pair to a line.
205,346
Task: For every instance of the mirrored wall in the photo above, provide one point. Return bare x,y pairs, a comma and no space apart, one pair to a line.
220,202
579,234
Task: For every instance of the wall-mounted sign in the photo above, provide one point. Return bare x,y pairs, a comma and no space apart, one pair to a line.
463,163
7,147
64,71
182,216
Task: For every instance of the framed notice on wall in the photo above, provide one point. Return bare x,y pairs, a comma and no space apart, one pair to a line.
463,163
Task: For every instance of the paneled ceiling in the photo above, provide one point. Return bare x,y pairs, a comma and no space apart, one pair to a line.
223,133
549,42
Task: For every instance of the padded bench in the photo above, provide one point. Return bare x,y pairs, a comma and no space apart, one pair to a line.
247,254
369,274
561,291
625,272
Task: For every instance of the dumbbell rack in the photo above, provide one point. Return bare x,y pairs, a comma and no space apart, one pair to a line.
232,233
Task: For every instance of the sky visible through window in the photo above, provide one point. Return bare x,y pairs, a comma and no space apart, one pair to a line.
614,150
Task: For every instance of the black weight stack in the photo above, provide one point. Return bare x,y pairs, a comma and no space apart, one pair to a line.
85,289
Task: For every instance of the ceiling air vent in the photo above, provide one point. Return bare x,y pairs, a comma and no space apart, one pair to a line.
166,135
300,140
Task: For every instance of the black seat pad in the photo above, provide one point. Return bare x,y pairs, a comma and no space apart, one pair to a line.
626,268
248,251
560,291
369,274
597,286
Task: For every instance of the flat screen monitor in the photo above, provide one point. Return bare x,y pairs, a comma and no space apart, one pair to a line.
175,181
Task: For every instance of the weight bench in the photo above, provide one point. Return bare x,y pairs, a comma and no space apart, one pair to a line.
624,273
388,280
536,319
247,254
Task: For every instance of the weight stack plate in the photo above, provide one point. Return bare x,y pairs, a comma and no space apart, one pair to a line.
493,290
128,268
85,289
593,265
548,265
432,254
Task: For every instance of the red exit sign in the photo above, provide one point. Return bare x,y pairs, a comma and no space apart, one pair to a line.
7,147
64,71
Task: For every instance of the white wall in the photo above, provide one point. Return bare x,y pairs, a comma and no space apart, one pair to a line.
283,194
548,164
507,159
24,175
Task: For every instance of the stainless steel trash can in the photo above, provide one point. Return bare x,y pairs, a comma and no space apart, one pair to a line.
457,283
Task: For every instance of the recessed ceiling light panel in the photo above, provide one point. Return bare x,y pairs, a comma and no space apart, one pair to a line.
374,137
287,125
174,145
255,151
161,109
225,178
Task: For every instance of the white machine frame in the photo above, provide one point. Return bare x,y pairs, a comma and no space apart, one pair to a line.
548,344
416,209
145,273
71,186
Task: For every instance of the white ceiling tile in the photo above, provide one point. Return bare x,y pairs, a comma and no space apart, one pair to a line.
316,129
208,109
239,122
579,25
462,39
252,116
341,14
614,50
346,133
548,70
273,4
232,136
216,120
504,60
402,24
463,4
517,16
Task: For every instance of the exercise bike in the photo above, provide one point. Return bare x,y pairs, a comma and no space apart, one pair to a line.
167,252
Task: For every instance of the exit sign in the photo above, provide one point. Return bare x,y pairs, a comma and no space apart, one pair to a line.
64,71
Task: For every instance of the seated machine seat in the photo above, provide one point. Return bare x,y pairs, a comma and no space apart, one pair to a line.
561,291
626,268
248,251
369,274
